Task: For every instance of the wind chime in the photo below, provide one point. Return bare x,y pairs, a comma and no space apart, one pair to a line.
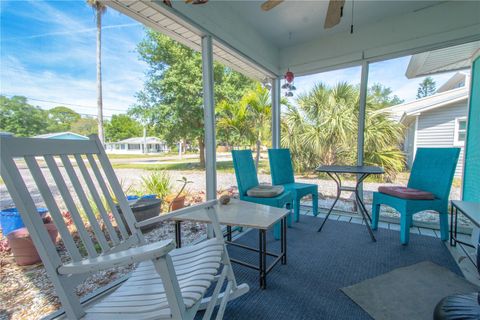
288,85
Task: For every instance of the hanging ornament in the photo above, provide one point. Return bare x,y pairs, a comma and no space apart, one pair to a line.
289,76
288,85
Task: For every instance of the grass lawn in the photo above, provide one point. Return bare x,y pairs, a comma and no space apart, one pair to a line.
146,156
222,166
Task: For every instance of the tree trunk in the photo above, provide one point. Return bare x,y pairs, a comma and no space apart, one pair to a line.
257,157
99,77
201,146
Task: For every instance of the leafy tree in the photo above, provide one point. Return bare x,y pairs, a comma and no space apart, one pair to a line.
171,101
381,97
85,126
20,118
426,88
323,128
99,8
122,127
61,119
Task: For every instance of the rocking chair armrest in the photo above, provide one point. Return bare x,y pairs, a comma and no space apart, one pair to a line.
121,258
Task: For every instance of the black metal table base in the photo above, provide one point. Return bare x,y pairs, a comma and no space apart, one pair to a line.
262,266
453,233
358,200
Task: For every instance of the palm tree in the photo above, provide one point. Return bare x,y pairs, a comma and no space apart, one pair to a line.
323,129
257,101
234,123
99,9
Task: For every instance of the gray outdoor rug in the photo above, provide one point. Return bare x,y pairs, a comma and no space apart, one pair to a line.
320,264
407,293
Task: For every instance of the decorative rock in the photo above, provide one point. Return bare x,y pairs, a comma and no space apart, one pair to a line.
224,199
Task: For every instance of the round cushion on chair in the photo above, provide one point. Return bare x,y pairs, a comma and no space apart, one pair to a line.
459,306
406,193
265,191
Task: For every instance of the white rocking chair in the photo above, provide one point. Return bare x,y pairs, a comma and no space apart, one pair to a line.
167,282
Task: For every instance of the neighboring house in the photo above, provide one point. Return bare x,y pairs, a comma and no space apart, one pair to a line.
439,120
62,136
137,145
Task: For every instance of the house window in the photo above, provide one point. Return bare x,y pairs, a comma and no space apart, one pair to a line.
460,131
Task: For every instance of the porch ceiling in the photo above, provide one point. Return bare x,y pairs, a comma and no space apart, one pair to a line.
291,35
157,17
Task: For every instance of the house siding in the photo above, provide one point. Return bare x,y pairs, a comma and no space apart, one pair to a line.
409,143
436,128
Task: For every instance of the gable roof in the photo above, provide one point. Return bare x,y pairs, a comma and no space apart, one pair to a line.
401,111
459,79
55,135
442,60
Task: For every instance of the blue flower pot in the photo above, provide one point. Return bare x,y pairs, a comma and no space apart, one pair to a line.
10,219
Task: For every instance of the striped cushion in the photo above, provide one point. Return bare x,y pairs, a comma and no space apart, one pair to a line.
406,193
265,191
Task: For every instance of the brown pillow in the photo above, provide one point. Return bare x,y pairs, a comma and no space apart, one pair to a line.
406,193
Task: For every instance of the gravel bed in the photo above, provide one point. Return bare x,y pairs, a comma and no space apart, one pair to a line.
27,292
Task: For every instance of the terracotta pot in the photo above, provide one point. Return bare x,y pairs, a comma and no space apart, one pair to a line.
22,245
178,203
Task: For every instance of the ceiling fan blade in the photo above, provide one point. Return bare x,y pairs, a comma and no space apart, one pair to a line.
334,13
270,4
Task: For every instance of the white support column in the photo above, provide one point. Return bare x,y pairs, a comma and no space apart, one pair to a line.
276,112
361,117
209,117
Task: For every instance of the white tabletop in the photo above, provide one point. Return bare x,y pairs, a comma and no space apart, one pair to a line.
239,213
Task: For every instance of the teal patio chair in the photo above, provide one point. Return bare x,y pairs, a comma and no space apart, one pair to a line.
281,170
246,175
433,170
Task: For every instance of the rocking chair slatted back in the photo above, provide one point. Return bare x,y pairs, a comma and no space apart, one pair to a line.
87,187
90,190
106,193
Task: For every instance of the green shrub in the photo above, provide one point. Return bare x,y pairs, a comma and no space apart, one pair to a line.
159,183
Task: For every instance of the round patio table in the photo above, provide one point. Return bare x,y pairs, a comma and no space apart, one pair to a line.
362,172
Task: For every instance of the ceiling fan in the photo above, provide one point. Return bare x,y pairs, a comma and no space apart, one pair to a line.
334,12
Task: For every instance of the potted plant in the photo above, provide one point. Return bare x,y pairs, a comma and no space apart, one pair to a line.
154,188
178,201
22,246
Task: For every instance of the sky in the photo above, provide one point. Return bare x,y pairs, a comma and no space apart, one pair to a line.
48,55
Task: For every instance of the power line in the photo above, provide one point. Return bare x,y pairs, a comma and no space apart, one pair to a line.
64,103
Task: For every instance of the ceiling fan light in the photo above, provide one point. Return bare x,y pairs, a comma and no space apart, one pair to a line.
285,86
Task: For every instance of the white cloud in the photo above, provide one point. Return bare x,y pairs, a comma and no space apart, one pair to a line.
58,62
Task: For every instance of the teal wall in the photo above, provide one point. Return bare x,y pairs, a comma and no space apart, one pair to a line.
471,181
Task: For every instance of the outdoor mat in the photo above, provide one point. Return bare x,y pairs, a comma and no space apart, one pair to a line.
319,264
407,293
